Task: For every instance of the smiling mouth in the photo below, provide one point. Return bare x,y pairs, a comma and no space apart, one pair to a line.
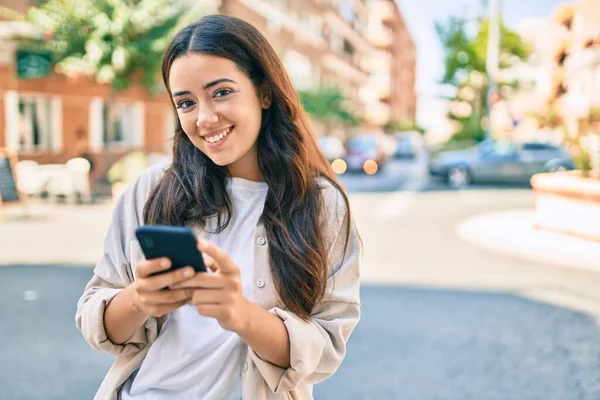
217,138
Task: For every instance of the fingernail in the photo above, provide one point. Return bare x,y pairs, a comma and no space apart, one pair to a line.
202,242
165,263
188,273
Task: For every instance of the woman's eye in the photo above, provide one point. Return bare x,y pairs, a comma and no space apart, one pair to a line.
184,104
222,92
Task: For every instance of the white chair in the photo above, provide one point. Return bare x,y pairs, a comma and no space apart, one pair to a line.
60,183
80,177
29,179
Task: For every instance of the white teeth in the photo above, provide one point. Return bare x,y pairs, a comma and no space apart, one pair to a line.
216,138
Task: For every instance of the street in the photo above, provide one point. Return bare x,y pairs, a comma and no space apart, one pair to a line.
393,177
410,344
440,318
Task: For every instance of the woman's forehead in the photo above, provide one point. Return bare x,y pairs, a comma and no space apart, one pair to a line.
201,67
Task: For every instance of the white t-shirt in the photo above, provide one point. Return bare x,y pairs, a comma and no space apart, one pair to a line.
193,357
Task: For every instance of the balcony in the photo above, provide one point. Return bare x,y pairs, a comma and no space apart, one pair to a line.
378,113
344,68
383,86
278,18
383,9
377,61
351,32
380,36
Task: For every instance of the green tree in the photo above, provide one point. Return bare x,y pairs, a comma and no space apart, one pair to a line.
118,42
465,66
400,125
328,106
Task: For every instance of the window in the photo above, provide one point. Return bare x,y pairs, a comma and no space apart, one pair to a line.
346,10
34,123
125,129
348,48
500,148
537,147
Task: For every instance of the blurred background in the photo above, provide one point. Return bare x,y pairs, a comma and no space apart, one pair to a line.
467,134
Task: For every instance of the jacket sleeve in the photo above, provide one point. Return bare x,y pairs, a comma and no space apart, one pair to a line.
318,347
112,273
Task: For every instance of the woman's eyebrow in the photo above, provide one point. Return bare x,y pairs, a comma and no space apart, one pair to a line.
208,85
217,81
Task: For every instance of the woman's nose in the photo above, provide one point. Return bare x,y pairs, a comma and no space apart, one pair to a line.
207,116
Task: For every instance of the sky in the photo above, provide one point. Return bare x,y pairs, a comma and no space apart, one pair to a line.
421,16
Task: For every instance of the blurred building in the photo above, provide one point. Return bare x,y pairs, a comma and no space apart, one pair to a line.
561,80
565,63
54,118
391,93
361,46
321,43
576,74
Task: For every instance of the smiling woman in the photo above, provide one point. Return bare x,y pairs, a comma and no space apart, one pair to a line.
248,176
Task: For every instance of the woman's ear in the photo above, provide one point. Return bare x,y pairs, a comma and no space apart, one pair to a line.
266,95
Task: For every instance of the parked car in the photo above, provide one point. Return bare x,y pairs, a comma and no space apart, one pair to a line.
332,147
368,153
410,145
499,162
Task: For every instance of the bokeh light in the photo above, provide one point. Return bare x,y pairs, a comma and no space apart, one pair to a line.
370,167
339,166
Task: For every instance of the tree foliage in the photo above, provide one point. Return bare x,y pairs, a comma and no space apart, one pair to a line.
116,41
328,106
466,52
465,45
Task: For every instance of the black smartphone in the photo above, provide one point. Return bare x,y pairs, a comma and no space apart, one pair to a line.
177,243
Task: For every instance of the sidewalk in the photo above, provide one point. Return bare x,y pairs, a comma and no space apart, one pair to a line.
398,240
512,233
44,236
575,262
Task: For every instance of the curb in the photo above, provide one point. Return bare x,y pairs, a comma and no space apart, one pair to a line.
512,232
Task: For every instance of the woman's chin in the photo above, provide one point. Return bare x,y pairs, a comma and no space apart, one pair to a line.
221,161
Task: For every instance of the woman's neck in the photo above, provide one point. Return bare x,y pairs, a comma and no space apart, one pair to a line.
246,168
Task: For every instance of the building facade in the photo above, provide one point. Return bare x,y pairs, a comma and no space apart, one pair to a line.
392,65
577,61
361,46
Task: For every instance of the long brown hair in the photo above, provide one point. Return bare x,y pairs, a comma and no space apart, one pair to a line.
194,188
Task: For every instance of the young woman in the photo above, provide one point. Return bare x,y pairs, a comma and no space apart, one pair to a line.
274,315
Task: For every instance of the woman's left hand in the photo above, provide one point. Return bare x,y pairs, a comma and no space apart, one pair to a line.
218,294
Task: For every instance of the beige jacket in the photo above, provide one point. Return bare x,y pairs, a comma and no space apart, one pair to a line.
317,347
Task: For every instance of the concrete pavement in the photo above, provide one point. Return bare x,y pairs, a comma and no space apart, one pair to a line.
54,234
513,232
479,341
410,238
436,344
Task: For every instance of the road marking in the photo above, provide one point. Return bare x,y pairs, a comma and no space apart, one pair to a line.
398,202
31,295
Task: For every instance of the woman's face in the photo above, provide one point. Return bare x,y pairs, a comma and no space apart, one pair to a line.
220,110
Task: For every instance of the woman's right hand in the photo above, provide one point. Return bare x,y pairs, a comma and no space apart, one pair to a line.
151,295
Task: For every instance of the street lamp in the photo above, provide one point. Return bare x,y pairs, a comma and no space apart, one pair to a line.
491,66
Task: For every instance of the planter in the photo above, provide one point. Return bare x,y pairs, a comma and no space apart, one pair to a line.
568,203
594,150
